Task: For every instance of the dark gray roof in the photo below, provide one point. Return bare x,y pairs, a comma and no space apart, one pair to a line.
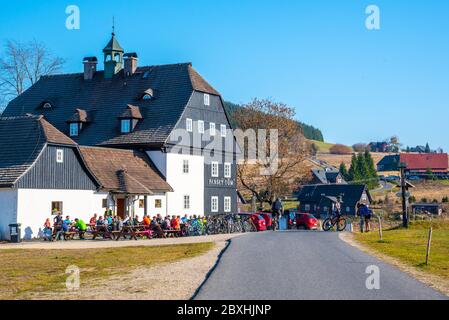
351,193
326,176
105,99
389,163
21,141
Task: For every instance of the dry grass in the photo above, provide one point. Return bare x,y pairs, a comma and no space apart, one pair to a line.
336,159
430,190
27,272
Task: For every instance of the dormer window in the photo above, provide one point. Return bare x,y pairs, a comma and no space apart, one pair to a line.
129,118
147,95
76,122
126,125
74,129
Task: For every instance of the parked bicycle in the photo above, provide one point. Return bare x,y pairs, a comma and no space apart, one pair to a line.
335,221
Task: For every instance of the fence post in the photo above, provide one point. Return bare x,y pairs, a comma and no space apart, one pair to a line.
429,242
380,228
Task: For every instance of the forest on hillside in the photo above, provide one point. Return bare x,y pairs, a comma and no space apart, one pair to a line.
309,131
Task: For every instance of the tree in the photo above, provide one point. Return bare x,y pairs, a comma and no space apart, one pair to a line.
427,150
340,149
344,171
395,145
21,66
372,176
313,149
360,147
353,173
286,166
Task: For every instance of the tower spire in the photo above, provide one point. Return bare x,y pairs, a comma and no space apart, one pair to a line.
113,26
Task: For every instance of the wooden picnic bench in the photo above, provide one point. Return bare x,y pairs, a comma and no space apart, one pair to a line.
172,233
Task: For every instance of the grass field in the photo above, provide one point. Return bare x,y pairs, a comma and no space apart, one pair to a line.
409,246
323,147
32,271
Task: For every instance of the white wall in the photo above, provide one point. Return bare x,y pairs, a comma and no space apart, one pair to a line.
8,207
192,184
151,209
34,207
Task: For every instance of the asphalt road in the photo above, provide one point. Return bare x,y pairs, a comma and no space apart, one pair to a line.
304,265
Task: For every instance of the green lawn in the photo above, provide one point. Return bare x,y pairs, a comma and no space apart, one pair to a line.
323,147
409,246
30,271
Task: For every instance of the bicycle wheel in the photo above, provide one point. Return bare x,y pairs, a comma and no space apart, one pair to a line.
327,224
341,224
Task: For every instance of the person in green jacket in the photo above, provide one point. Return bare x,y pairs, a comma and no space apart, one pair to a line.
81,226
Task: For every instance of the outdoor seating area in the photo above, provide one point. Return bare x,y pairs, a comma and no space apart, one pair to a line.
110,227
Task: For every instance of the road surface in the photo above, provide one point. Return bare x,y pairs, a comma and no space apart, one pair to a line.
299,265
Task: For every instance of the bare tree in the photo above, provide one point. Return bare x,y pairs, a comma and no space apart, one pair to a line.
292,151
21,66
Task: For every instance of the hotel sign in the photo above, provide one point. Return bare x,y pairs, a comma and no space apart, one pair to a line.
221,182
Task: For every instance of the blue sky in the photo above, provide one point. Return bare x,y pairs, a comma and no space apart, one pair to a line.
355,84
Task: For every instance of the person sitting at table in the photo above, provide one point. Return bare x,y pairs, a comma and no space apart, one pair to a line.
127,221
156,228
136,221
175,223
81,227
93,220
68,221
146,221
47,233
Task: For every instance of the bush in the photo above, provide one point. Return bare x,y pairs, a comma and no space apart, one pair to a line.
445,200
424,200
412,199
340,149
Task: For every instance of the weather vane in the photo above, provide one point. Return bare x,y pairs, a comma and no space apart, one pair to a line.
113,25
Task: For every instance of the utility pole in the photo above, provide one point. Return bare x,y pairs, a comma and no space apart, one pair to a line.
402,167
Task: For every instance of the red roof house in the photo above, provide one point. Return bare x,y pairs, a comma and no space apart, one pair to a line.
421,162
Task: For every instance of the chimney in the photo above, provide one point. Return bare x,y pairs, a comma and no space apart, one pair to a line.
90,67
130,63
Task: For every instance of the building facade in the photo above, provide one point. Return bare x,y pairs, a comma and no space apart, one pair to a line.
169,112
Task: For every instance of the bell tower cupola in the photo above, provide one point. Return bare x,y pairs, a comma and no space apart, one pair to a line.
113,57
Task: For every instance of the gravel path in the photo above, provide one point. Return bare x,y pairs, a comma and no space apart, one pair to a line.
171,281
94,244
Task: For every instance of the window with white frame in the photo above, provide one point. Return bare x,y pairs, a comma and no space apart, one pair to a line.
185,166
307,207
206,99
200,126
223,130
212,129
59,155
186,202
227,170
126,126
227,204
214,204
189,125
214,169
74,129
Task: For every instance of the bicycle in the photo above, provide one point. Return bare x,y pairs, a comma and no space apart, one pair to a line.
335,220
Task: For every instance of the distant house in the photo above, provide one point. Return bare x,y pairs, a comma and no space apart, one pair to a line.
325,176
378,147
320,199
389,163
418,164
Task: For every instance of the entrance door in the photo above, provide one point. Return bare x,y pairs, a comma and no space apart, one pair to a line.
121,208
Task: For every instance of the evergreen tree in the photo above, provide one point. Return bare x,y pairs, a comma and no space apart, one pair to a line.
362,169
344,171
373,181
353,173
427,148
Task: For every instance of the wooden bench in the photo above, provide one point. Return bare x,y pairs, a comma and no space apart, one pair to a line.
172,233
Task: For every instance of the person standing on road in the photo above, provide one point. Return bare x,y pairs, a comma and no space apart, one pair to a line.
277,207
365,217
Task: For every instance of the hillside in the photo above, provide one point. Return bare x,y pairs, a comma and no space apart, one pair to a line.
310,132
